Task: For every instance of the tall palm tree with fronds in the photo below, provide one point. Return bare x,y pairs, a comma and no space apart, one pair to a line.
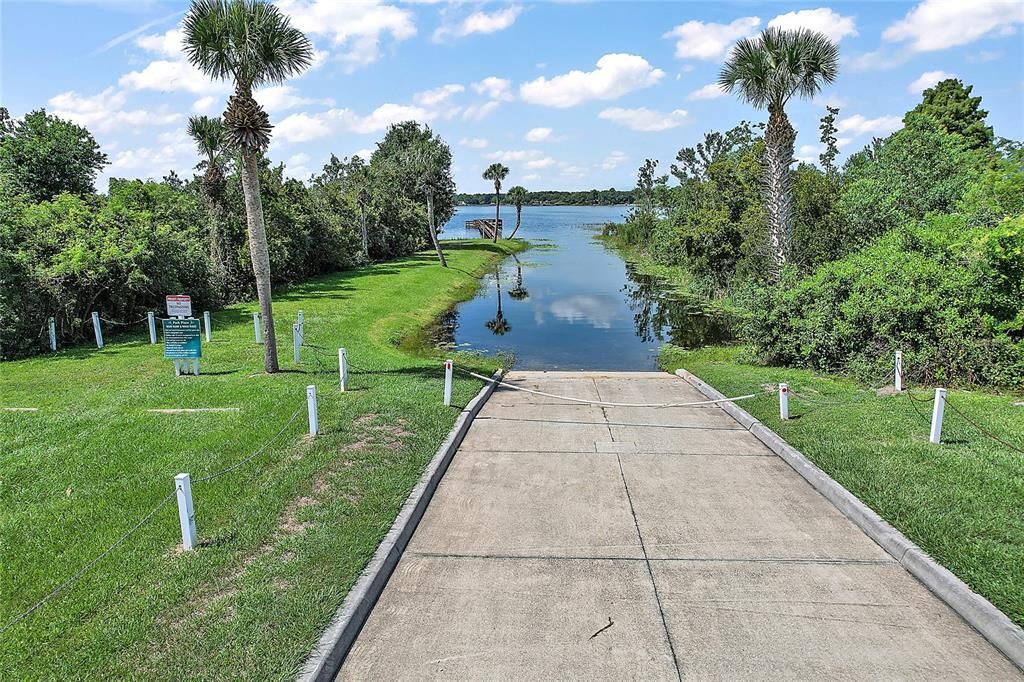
429,160
766,71
210,138
497,173
517,195
253,44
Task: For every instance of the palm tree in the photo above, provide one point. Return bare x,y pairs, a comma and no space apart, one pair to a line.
517,195
252,43
767,71
499,326
497,173
209,136
518,292
427,159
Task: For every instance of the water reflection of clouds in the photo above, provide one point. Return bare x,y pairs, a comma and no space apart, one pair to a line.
598,311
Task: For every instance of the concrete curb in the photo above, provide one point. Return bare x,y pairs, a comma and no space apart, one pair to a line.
992,623
326,658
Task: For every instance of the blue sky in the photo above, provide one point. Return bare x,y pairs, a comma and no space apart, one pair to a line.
569,95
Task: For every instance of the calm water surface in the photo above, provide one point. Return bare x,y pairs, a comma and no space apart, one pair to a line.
571,303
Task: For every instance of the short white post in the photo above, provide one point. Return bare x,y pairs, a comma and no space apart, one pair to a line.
256,326
447,383
177,367
302,323
938,409
343,368
186,512
295,343
195,367
783,401
96,329
898,378
314,423
152,326
206,323
53,334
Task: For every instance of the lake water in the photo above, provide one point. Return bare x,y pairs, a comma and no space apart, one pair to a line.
570,302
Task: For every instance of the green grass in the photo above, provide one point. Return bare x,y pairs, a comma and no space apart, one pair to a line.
961,502
283,537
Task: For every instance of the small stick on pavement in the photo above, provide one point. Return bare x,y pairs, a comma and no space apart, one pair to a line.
610,623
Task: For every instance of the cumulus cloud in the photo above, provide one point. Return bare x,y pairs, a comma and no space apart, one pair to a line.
860,125
430,98
614,160
205,105
174,152
709,91
706,40
282,97
473,142
532,159
479,22
643,119
615,75
939,24
168,44
927,80
104,111
357,29
823,20
539,135
166,75
478,112
303,127
495,88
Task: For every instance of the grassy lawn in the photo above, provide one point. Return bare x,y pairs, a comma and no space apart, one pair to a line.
961,502
284,536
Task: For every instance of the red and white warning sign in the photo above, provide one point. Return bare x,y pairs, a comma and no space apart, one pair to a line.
179,306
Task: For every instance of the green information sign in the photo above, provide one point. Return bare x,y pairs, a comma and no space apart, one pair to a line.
181,339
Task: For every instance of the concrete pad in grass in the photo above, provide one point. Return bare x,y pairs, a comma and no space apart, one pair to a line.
513,619
675,417
649,391
659,439
816,621
536,436
530,504
737,508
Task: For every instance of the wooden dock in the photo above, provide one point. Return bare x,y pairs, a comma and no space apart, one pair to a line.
484,226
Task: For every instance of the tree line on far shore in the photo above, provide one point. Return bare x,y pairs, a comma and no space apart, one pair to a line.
591,197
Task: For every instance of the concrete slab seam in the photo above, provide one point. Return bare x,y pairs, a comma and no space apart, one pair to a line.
978,612
325,660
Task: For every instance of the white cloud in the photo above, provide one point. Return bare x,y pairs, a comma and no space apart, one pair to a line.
859,125
823,20
709,91
700,40
295,166
358,28
473,142
168,44
614,160
939,24
303,127
808,153
927,80
538,134
570,170
495,88
644,119
480,22
532,159
204,105
280,98
169,75
830,100
175,152
478,112
531,176
615,75
104,112
430,98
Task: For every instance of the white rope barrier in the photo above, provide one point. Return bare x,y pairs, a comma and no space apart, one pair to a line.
606,403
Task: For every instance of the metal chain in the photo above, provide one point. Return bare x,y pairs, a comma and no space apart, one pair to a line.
257,453
981,428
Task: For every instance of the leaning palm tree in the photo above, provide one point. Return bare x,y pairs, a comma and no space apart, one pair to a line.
252,43
518,292
497,173
209,136
427,159
767,71
517,195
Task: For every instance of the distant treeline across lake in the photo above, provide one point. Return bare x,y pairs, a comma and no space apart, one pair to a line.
589,197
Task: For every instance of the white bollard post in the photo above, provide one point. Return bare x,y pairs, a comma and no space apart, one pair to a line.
938,409
447,383
898,378
186,512
206,323
302,324
295,343
256,326
152,326
783,401
343,368
53,334
98,331
314,423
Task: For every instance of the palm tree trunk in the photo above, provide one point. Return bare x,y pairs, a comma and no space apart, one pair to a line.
497,214
260,254
433,232
216,244
519,219
366,240
779,140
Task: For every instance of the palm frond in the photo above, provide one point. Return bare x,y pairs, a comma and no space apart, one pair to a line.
209,135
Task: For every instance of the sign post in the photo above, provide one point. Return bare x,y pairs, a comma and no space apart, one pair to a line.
206,322
53,334
97,330
182,335
151,318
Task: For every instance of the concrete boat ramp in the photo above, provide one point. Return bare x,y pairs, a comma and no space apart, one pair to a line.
579,541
